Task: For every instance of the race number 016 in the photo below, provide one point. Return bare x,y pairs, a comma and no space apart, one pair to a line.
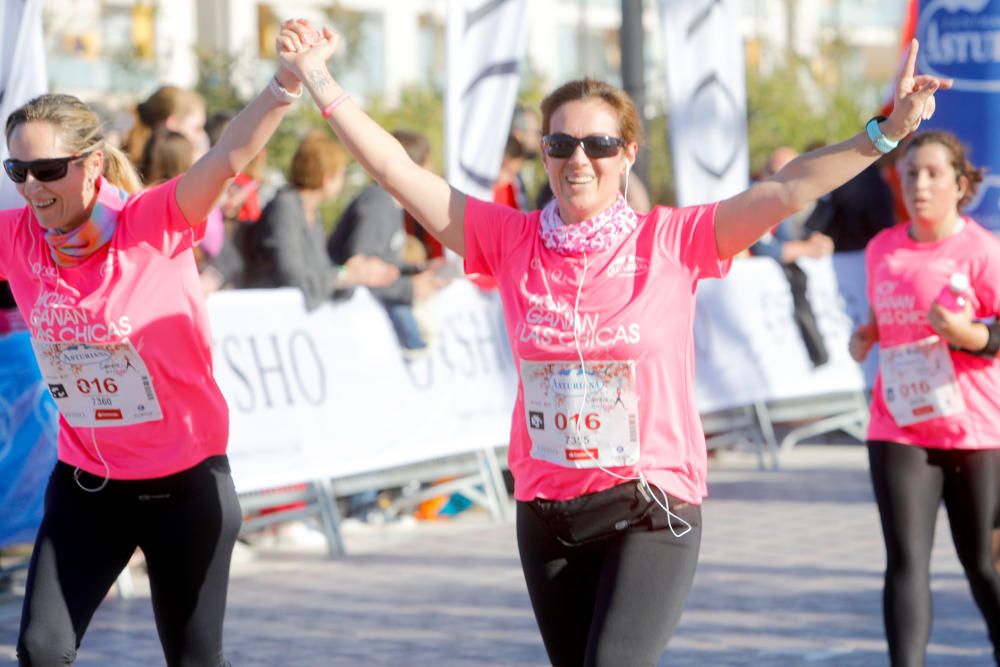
108,386
591,421
915,389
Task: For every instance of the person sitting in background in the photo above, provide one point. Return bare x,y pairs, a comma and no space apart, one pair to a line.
285,247
789,241
373,225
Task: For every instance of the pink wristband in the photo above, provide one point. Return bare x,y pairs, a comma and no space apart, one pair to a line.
337,101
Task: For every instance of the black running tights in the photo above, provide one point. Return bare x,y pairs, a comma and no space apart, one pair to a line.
186,525
910,483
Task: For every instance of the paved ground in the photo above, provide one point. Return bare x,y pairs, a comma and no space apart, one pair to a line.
790,574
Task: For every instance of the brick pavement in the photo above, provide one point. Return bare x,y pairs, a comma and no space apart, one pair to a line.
790,574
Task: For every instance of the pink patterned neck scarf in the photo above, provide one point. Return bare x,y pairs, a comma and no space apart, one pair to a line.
593,235
73,247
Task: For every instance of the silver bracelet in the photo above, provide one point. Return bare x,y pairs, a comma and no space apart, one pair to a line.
281,93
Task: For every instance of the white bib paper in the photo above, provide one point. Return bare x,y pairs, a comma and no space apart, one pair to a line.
98,384
918,381
582,417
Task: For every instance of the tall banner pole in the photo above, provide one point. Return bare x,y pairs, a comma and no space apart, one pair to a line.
958,39
706,86
486,43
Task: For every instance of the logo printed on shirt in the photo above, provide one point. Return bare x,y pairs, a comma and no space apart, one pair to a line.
945,265
44,271
628,266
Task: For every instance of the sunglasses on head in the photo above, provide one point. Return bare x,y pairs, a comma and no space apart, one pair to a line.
50,169
594,146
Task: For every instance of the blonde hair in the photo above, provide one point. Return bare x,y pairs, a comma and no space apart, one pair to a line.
151,114
81,132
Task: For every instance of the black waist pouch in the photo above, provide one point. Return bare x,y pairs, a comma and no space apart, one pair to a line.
597,516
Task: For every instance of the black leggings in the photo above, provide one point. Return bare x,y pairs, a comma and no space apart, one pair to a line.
613,602
186,525
910,482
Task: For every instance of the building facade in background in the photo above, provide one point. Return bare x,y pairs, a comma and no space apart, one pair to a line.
121,50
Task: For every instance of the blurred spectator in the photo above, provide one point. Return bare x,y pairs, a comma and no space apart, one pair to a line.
506,189
526,129
789,241
10,316
239,206
166,154
173,108
855,212
373,225
285,247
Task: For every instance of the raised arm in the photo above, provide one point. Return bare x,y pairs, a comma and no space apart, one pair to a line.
201,186
435,205
744,218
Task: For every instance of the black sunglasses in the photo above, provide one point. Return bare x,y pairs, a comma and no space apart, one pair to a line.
561,145
51,169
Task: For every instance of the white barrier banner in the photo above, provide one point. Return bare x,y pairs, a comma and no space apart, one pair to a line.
706,87
328,393
747,347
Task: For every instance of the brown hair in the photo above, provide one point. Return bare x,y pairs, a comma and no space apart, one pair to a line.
629,125
959,160
415,144
317,157
80,130
167,154
150,115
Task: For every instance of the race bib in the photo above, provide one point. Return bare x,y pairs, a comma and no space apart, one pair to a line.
918,381
582,417
98,384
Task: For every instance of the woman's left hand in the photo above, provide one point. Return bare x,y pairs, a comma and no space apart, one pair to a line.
955,327
914,98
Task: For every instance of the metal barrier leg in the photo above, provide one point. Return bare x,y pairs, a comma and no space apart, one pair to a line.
767,430
329,517
494,485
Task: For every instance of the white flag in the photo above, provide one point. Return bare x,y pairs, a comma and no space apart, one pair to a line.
486,41
706,87
22,71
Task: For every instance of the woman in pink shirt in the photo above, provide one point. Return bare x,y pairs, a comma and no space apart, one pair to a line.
606,445
935,412
106,281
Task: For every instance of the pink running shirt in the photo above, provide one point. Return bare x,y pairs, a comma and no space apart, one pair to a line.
904,277
638,303
143,287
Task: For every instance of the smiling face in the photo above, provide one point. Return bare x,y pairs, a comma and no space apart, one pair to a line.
63,204
582,185
932,188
